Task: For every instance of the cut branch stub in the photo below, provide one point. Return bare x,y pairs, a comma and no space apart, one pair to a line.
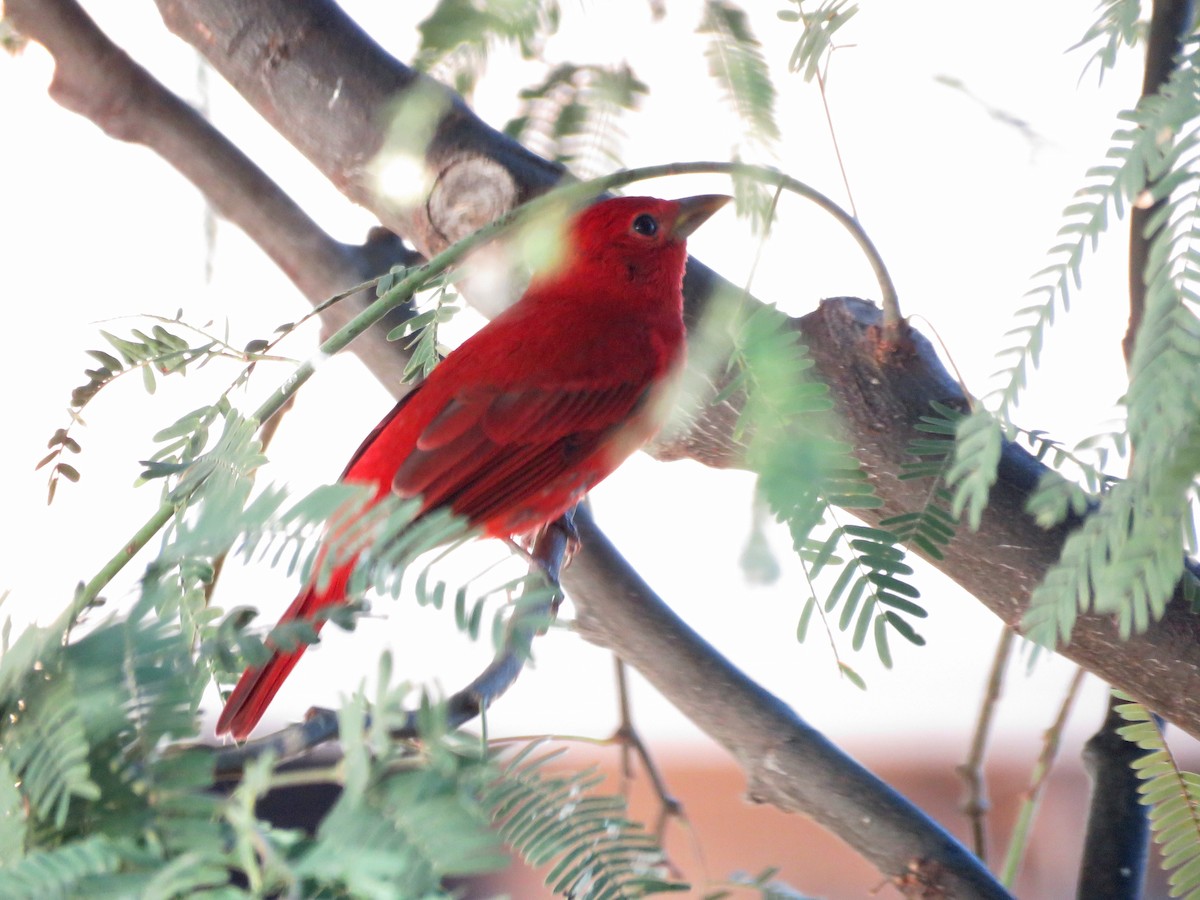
470,192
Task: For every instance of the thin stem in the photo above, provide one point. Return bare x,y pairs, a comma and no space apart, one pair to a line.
889,300
629,739
1041,771
975,806
90,591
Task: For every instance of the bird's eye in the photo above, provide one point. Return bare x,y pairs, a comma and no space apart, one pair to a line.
646,225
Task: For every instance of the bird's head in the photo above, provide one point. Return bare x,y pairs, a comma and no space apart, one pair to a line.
639,237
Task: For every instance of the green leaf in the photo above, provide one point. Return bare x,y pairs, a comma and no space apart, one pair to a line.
736,62
558,819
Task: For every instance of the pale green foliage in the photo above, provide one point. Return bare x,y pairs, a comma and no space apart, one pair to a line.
976,457
458,34
162,351
932,527
754,201
1119,25
558,820
1173,796
573,115
421,329
402,823
1152,152
735,60
804,471
1128,557
820,24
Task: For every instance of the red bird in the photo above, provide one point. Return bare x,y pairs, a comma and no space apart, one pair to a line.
518,423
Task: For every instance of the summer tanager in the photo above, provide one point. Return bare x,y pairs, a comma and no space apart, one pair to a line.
517,424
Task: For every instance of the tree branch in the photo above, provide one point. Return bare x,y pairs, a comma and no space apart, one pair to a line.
1118,831
98,80
789,764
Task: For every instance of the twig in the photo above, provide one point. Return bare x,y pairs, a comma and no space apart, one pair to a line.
628,737
975,805
1033,794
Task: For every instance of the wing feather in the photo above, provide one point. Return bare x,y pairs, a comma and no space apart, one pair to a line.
489,452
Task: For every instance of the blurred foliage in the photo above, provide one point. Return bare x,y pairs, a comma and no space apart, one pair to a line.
102,795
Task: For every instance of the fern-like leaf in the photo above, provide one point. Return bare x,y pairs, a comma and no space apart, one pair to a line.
458,35
976,460
402,825
1173,796
62,871
735,60
573,115
1150,152
1118,25
48,750
421,330
820,26
162,351
557,819
1127,559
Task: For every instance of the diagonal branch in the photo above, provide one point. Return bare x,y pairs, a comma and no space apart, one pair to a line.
99,81
788,763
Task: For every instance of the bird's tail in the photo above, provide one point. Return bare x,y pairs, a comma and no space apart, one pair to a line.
259,684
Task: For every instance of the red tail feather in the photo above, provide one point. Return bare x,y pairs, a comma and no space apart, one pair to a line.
258,686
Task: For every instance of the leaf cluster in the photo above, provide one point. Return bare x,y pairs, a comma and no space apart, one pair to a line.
1173,796
1126,560
421,329
159,352
558,820
573,115
1118,25
804,471
736,63
821,25
458,35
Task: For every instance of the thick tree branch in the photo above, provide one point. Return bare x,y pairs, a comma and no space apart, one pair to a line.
99,81
788,763
1116,846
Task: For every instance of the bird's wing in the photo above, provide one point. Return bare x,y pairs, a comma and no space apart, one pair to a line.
488,450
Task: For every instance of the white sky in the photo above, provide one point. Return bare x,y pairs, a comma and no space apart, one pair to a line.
962,205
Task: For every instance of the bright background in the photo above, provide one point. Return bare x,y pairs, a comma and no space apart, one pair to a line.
962,203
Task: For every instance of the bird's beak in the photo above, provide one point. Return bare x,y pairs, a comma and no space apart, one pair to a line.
694,212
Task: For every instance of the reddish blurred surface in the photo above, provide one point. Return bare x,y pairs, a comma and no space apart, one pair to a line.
725,833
